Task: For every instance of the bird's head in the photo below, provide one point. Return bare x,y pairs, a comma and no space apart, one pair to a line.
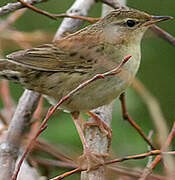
125,24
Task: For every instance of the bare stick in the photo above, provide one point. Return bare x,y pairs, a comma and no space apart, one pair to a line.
148,170
52,150
79,8
11,7
126,158
6,99
55,16
163,34
131,121
55,163
133,173
67,174
9,149
130,172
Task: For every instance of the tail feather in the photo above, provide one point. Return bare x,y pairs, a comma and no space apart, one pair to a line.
2,64
8,71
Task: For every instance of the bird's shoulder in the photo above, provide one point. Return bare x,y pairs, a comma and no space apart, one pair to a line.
60,56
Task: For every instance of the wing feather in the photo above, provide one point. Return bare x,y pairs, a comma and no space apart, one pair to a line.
49,57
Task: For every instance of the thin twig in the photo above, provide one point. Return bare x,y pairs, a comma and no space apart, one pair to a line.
148,170
132,122
67,174
156,114
69,25
6,99
51,150
132,172
3,119
55,16
38,111
132,157
163,34
11,7
9,149
56,163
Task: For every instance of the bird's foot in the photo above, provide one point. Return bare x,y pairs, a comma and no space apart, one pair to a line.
101,124
90,159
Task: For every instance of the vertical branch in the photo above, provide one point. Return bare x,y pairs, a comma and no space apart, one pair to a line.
10,147
96,140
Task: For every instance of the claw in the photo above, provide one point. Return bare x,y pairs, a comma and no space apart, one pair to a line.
89,159
101,124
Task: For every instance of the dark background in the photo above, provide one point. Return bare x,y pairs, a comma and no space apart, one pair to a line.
157,72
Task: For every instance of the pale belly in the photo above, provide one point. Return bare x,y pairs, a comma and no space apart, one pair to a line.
99,92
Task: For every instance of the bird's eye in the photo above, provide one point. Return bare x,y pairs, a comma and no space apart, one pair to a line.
130,23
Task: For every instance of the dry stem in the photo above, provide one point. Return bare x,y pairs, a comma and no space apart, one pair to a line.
11,7
9,149
132,157
148,170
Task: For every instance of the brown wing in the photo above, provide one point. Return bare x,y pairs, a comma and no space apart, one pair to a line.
49,57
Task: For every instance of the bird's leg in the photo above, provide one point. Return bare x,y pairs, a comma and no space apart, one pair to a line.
89,158
104,127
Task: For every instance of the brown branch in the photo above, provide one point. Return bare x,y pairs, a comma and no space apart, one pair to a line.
69,25
56,163
51,150
25,4
163,34
55,16
62,176
132,122
126,158
54,108
10,7
3,120
133,173
148,170
9,149
130,172
7,100
38,111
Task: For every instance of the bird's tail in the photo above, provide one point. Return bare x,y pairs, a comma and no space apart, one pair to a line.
9,71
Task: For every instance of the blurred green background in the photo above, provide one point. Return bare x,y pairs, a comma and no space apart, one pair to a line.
157,72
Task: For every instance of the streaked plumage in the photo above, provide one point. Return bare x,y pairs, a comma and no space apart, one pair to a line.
56,69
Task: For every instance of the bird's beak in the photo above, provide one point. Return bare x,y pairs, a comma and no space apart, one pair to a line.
155,19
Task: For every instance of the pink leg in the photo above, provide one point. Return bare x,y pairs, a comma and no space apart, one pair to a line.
88,159
101,124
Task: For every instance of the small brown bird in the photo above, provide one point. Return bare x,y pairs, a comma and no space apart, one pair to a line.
56,69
